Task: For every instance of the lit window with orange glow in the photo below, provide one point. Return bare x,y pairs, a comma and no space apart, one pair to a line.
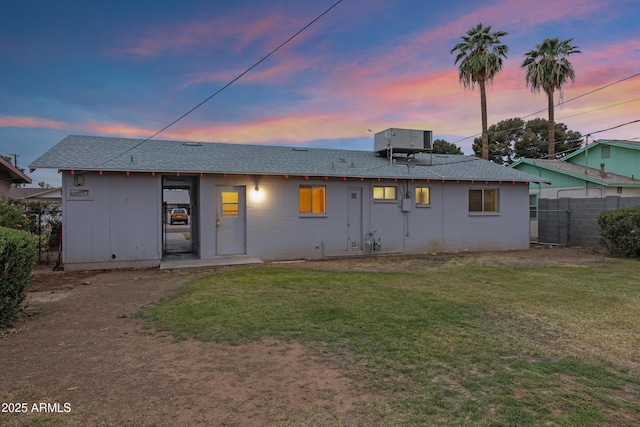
230,205
312,199
384,193
423,196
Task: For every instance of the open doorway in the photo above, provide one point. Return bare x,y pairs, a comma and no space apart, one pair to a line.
179,218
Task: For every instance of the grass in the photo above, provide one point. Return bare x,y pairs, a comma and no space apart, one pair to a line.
463,345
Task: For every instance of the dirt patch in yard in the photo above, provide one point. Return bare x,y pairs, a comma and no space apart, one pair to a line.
82,352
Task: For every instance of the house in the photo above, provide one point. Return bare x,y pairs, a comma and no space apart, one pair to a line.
278,203
9,175
604,168
601,176
47,195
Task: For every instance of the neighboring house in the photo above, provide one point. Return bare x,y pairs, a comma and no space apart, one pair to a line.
50,195
9,175
619,157
603,169
577,181
279,202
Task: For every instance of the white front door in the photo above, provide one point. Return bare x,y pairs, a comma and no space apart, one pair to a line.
231,220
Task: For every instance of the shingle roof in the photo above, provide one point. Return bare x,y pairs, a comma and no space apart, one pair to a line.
83,153
582,172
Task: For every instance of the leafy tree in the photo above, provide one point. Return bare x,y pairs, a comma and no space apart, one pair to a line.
548,69
512,139
502,137
441,146
535,140
480,58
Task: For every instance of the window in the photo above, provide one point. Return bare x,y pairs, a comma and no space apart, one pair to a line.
384,193
533,206
483,200
423,196
312,199
230,206
605,152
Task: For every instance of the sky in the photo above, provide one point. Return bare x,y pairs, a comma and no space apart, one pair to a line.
130,68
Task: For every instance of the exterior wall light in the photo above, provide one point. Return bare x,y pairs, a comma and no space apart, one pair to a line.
257,196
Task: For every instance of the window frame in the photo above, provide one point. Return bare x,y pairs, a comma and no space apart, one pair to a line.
311,212
384,199
420,204
484,212
533,207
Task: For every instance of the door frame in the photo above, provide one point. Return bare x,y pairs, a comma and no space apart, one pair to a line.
234,227
189,183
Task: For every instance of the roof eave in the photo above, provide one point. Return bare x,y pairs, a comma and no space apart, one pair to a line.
477,180
18,177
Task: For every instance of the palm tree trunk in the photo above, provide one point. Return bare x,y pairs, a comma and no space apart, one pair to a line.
551,126
483,111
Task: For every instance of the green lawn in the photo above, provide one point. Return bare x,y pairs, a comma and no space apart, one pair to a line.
449,345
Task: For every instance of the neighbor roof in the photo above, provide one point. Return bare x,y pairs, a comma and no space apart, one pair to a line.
633,145
585,173
16,176
94,153
35,193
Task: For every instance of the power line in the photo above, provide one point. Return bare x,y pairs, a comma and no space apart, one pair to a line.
564,102
264,58
614,127
601,108
600,88
584,94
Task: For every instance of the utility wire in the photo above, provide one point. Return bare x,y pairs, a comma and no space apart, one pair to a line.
264,58
614,127
560,103
601,108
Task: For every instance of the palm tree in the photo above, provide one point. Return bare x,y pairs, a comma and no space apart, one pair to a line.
480,56
548,69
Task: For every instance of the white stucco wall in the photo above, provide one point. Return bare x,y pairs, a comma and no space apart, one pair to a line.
118,225
123,218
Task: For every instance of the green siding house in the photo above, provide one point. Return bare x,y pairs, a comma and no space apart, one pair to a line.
606,169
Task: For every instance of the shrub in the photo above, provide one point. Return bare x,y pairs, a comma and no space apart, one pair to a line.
620,230
13,215
18,250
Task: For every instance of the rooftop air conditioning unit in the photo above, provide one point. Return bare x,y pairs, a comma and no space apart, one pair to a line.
394,140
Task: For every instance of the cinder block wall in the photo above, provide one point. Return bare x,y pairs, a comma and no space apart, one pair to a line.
575,221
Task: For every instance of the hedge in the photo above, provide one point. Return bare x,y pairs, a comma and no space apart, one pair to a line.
620,231
18,251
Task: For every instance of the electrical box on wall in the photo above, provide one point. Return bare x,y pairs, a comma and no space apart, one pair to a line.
406,205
